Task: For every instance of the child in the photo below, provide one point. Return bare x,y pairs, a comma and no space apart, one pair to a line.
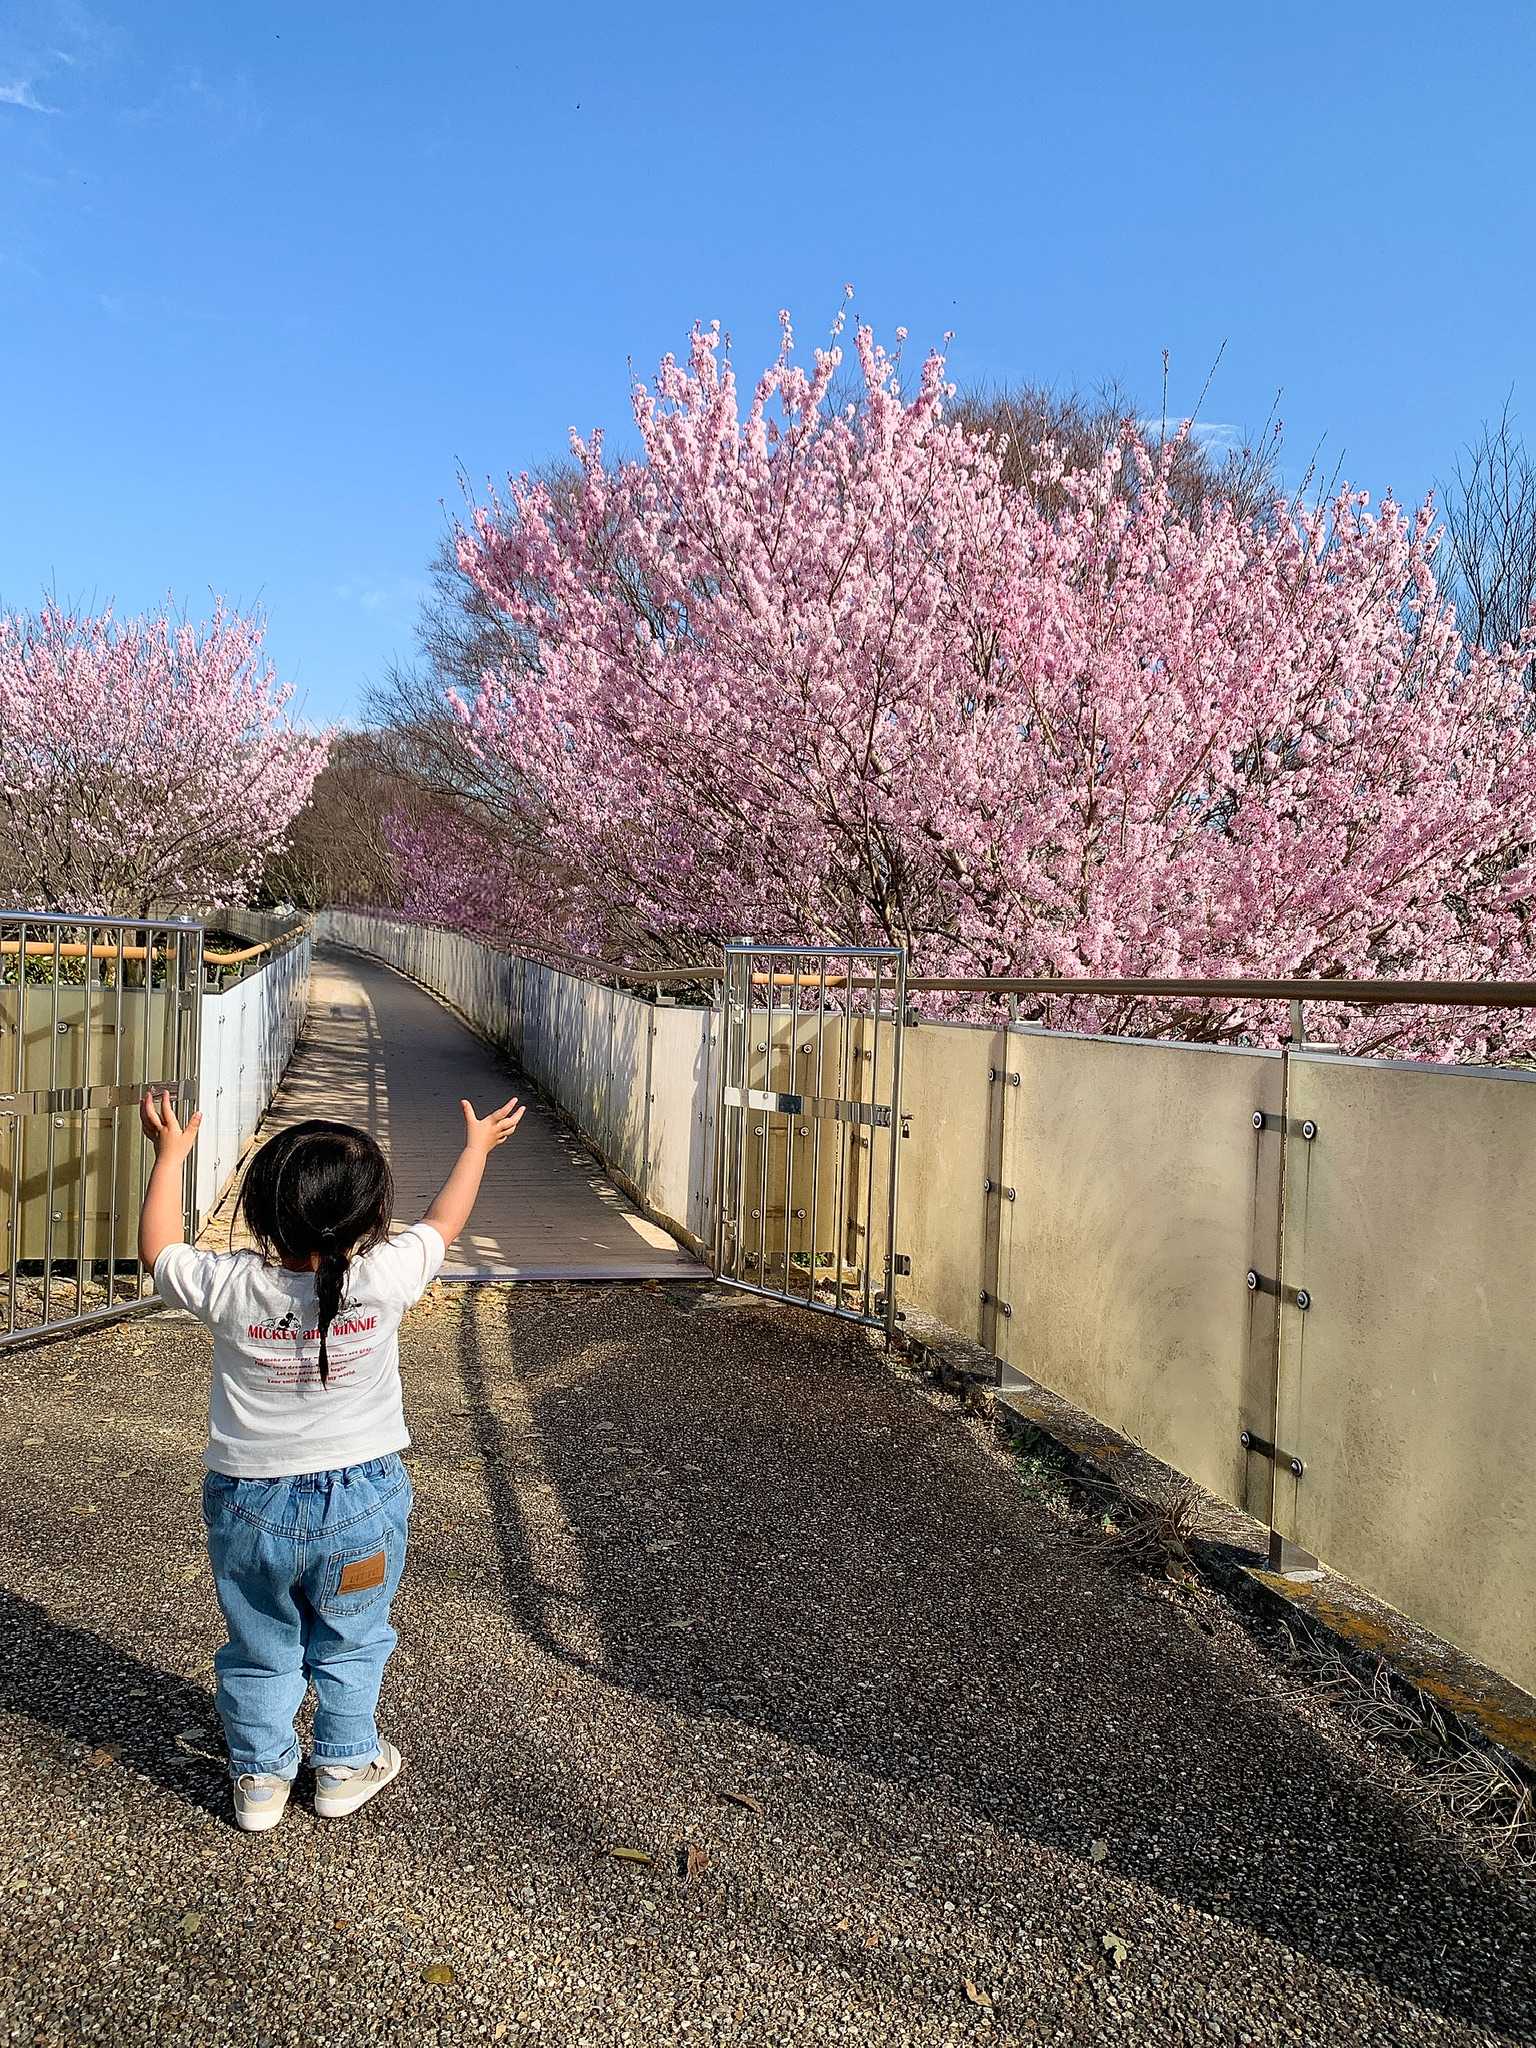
306,1500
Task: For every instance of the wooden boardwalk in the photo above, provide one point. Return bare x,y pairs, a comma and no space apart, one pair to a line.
379,1052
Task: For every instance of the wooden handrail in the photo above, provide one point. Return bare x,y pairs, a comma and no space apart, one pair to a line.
77,949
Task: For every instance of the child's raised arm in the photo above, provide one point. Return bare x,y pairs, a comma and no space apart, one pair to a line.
160,1220
482,1134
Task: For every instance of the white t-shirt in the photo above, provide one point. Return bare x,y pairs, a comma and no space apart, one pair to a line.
269,1416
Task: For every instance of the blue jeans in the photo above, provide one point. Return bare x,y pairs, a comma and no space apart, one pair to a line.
305,1570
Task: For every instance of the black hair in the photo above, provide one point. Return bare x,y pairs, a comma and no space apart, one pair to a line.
318,1187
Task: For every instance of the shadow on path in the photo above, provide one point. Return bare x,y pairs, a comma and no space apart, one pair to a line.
773,1530
89,1691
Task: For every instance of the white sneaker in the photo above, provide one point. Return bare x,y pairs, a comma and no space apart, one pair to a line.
260,1802
343,1790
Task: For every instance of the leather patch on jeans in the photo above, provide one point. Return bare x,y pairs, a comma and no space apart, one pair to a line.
363,1573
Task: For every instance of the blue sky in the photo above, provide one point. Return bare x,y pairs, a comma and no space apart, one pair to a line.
270,274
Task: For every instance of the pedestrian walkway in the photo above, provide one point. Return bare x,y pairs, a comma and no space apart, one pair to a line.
379,1052
748,1698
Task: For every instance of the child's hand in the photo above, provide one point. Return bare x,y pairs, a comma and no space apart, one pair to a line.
484,1133
163,1127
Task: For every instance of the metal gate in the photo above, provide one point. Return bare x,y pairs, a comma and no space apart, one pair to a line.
809,1155
92,1013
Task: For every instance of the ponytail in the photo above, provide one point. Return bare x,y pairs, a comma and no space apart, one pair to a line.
330,1277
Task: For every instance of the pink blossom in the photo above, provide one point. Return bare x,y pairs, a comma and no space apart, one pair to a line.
146,764
819,676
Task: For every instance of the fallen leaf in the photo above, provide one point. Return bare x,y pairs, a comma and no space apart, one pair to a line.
189,1923
106,1754
1114,1947
695,1861
1098,1852
499,2031
845,1926
622,1855
343,1926
977,1996
438,1973
871,1941
744,1799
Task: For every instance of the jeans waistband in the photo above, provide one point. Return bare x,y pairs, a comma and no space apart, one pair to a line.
319,1482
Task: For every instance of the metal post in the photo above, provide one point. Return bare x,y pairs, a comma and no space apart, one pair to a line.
117,1082
189,961
867,1140
840,1213
898,1029
821,1047
19,1121
1285,1555
791,1088
716,1081
53,1123
84,1178
144,1077
762,1213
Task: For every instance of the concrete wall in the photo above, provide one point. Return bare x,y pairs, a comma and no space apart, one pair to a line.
1090,1211
246,1040
1409,1384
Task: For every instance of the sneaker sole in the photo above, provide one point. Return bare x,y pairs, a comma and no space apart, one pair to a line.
337,1805
258,1823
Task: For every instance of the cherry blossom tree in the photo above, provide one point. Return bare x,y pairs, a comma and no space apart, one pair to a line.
147,765
820,672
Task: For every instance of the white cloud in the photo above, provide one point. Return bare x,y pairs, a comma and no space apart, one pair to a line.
20,94
393,598
1216,437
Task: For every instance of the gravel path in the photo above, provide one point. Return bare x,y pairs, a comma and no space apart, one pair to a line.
667,1552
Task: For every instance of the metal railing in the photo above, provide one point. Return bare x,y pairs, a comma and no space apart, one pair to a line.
94,1011
829,1077
1372,993
269,937
88,1023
